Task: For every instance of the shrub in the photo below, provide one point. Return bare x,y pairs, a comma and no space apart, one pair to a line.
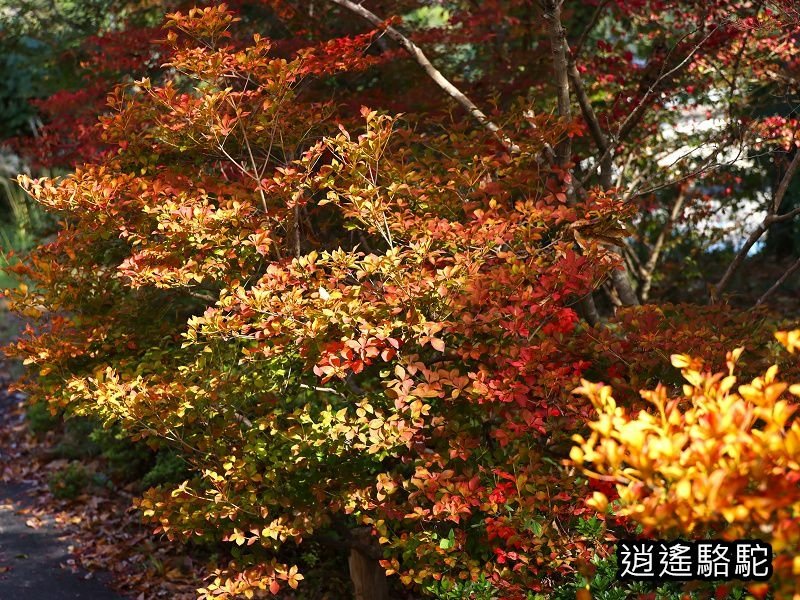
39,419
169,468
69,482
715,458
333,324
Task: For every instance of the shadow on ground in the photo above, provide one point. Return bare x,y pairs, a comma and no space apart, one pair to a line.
35,562
33,559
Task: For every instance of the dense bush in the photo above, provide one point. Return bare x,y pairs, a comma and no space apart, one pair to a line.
330,343
717,459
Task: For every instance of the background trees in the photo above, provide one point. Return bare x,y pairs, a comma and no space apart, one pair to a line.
350,267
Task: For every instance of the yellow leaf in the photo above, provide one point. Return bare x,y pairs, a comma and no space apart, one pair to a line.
684,489
789,339
598,501
680,361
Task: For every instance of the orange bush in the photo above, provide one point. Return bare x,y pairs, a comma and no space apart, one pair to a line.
354,324
717,458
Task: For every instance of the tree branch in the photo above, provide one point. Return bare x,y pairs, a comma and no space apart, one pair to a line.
756,234
789,272
599,137
432,72
561,66
783,186
563,153
638,113
633,119
650,266
558,45
592,22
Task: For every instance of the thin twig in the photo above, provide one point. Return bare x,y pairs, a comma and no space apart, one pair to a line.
595,130
592,22
652,261
634,118
562,67
789,272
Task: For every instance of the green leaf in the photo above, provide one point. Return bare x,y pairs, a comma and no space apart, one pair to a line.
448,542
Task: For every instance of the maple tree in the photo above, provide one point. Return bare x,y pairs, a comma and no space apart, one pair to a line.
287,259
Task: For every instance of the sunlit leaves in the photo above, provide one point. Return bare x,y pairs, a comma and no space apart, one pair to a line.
335,322
719,459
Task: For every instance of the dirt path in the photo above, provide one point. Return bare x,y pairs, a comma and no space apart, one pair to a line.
34,561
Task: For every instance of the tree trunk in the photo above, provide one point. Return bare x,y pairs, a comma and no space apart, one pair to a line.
622,284
367,575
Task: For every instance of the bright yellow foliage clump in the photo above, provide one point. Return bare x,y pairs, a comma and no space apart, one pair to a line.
718,458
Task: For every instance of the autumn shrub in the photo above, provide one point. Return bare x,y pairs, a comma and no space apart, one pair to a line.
114,455
169,468
39,419
320,316
715,457
337,319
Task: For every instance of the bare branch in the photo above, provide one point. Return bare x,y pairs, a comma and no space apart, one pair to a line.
558,45
434,73
633,119
327,390
599,137
650,266
589,309
622,284
240,418
784,217
561,65
756,234
783,186
563,153
592,22
611,294
638,113
632,260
